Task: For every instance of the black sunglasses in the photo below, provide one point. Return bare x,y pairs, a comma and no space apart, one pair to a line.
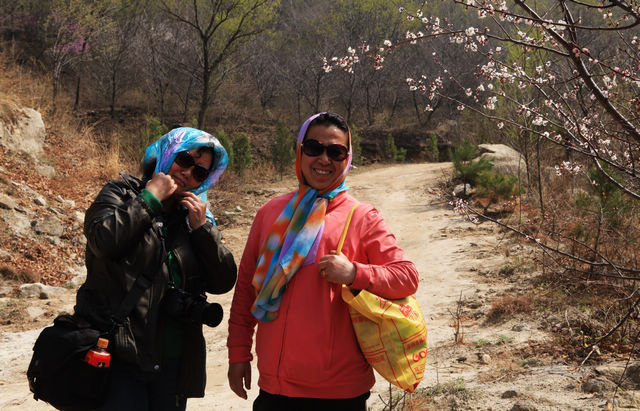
185,160
314,148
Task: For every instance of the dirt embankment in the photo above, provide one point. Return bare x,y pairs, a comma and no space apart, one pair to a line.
461,272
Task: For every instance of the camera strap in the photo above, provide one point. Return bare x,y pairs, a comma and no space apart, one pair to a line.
143,281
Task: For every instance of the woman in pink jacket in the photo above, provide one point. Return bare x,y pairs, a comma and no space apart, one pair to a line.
290,279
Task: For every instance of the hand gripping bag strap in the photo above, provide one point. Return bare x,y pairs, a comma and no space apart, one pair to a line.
392,334
346,228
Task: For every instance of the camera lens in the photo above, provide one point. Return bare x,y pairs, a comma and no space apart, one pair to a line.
182,306
212,314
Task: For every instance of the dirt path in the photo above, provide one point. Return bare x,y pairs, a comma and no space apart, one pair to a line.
456,260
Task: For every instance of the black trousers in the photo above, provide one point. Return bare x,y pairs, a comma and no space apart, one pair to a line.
271,402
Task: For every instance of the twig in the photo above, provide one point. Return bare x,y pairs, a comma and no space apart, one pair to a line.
566,318
631,310
635,341
594,349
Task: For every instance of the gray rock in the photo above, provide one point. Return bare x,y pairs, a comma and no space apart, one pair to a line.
77,281
509,394
629,399
521,327
461,189
51,226
64,202
6,291
5,254
34,312
45,170
39,200
505,159
55,240
633,372
56,210
18,223
7,202
32,290
27,135
39,290
79,276
531,362
598,384
524,406
78,216
484,358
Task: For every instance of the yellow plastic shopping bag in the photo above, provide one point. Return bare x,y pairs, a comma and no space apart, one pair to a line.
392,333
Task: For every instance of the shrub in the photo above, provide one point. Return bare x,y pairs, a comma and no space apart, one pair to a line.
464,152
495,186
466,169
153,130
605,198
282,149
433,153
242,159
508,306
392,152
224,140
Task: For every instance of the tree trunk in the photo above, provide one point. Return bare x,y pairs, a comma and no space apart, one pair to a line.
187,97
394,105
415,106
76,103
54,93
368,105
206,79
112,105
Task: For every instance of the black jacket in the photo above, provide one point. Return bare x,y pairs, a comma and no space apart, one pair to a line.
123,241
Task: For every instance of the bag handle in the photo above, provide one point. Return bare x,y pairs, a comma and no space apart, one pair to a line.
346,228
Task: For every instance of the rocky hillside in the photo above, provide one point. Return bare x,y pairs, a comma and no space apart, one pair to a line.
44,191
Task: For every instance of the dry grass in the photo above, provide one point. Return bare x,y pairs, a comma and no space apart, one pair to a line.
23,275
508,306
10,112
23,86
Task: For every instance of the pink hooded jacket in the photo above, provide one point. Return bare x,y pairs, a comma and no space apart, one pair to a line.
311,350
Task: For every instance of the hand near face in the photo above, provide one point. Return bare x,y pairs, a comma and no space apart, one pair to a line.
337,268
197,209
161,186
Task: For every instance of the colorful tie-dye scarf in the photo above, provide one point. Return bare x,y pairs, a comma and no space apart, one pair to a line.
164,151
294,237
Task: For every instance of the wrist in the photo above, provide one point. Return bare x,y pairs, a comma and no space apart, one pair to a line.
352,274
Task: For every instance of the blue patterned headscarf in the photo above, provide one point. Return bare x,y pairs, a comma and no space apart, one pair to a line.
164,151
294,237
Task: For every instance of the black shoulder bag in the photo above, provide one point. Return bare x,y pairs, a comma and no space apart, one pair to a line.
57,372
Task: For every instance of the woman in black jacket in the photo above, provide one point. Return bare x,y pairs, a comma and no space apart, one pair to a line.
157,233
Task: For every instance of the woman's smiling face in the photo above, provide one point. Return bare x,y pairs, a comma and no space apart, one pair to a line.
320,172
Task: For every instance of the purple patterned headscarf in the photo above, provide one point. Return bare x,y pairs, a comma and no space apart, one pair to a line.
164,151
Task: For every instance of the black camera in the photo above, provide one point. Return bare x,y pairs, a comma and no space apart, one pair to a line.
185,307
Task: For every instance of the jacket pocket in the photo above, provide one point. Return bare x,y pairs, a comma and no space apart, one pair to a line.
124,343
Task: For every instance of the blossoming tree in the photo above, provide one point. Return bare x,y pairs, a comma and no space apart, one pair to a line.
563,75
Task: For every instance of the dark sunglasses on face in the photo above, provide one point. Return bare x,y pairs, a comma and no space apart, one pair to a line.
185,160
314,148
